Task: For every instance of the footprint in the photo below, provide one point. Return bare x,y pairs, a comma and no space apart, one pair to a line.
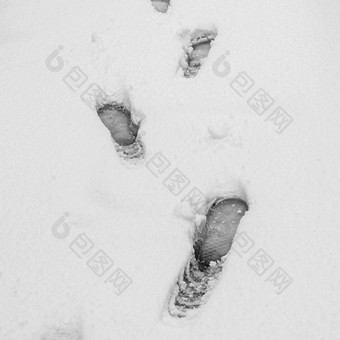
63,331
197,50
206,264
217,235
123,130
161,5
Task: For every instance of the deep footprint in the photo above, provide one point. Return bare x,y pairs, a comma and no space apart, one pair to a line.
206,264
197,51
123,130
161,5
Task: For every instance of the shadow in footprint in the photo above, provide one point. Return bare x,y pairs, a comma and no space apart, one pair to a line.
197,50
206,264
123,130
161,5
67,331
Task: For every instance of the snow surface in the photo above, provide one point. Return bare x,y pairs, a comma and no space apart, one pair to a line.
57,157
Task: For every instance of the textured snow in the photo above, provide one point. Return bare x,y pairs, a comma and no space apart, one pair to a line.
57,157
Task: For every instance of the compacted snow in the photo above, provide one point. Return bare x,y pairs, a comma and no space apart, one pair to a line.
91,244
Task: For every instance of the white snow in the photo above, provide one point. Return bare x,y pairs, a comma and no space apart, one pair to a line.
56,157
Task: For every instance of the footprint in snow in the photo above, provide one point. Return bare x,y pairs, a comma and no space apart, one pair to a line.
206,264
197,50
161,5
123,130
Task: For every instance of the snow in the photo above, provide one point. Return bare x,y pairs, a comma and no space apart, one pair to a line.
57,157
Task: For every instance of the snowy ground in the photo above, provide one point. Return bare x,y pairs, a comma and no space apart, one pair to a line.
57,157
